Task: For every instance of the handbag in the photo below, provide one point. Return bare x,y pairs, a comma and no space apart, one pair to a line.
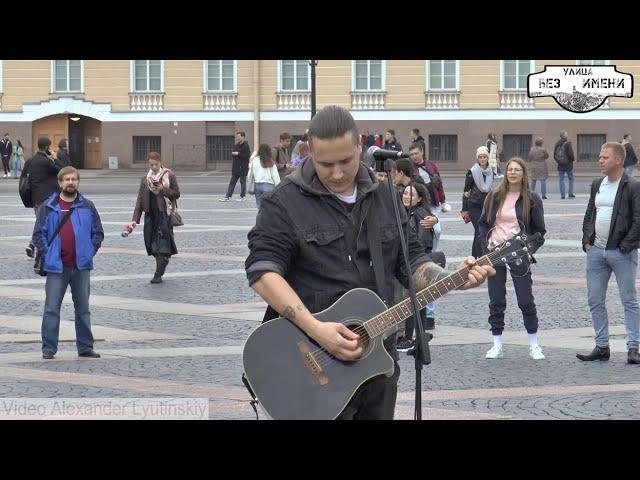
176,218
38,262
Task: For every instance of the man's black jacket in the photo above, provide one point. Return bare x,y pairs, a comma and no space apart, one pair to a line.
240,165
43,177
624,232
630,157
307,235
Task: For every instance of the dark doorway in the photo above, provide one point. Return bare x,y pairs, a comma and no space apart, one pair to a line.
76,140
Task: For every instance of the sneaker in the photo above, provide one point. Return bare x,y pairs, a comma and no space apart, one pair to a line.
4,176
544,197
561,198
241,199
535,352
495,352
156,278
445,208
225,199
47,355
633,356
30,251
405,344
571,195
89,354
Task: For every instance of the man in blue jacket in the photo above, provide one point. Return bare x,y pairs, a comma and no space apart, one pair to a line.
68,259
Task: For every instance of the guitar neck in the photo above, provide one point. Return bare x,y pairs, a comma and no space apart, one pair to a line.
389,319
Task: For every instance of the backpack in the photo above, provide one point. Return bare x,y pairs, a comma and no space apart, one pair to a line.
561,156
24,189
436,181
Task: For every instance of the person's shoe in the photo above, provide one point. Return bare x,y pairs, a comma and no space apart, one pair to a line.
30,251
156,279
405,344
431,323
571,195
544,197
598,353
561,198
633,356
535,352
89,354
225,199
4,176
495,352
241,199
47,355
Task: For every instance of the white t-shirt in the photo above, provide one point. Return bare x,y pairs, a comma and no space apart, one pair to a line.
605,199
348,198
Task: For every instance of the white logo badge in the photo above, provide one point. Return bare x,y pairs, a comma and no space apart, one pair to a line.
580,88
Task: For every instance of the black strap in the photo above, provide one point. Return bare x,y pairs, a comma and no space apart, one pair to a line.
375,250
61,224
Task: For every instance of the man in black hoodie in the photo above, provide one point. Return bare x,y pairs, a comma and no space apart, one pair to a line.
43,178
417,138
310,245
390,142
563,155
240,168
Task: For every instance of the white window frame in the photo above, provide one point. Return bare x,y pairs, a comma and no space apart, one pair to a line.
606,62
296,77
428,79
532,69
132,75
205,70
383,81
53,78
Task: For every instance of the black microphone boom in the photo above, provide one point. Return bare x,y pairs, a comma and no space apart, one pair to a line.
381,154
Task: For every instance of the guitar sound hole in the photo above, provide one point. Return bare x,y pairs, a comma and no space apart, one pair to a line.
364,340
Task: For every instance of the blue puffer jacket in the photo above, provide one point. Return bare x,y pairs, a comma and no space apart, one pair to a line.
87,229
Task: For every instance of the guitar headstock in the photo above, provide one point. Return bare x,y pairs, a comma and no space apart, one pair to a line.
513,249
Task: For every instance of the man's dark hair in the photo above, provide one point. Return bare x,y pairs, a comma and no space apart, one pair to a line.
392,132
6,134
241,134
415,145
416,131
43,143
305,137
625,136
284,136
405,166
331,122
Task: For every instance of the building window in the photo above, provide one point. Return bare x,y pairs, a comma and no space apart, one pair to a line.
295,75
515,146
220,75
143,145
368,75
67,75
593,62
589,147
443,148
514,73
442,75
219,148
147,76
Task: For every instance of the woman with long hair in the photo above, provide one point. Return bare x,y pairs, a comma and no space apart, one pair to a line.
512,207
18,159
415,199
477,184
156,197
264,173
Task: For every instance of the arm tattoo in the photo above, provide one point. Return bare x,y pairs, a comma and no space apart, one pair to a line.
426,274
290,313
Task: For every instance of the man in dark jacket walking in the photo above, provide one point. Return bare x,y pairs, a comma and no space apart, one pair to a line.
563,155
280,155
630,159
68,259
311,245
240,168
43,178
610,237
6,150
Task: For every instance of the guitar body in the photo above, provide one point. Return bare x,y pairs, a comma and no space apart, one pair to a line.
292,379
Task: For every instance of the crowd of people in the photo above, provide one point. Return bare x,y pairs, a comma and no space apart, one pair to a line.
323,228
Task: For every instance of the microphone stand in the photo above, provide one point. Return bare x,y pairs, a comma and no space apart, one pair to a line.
421,351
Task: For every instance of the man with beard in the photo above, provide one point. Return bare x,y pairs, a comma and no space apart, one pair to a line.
68,233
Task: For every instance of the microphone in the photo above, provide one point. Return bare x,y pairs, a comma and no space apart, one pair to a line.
381,154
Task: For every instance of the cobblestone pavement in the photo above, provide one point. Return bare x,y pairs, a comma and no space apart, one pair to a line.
184,337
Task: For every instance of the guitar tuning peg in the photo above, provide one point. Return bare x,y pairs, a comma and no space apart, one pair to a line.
519,262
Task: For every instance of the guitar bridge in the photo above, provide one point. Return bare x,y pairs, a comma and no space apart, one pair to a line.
311,363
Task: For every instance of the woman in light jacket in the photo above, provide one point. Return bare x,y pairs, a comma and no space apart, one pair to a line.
538,167
264,173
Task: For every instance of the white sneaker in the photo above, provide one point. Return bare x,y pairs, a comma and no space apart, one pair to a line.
241,199
445,208
225,199
495,352
535,352
4,176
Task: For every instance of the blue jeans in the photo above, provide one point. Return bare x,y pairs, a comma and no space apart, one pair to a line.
600,264
15,164
55,289
543,186
629,170
260,189
561,175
